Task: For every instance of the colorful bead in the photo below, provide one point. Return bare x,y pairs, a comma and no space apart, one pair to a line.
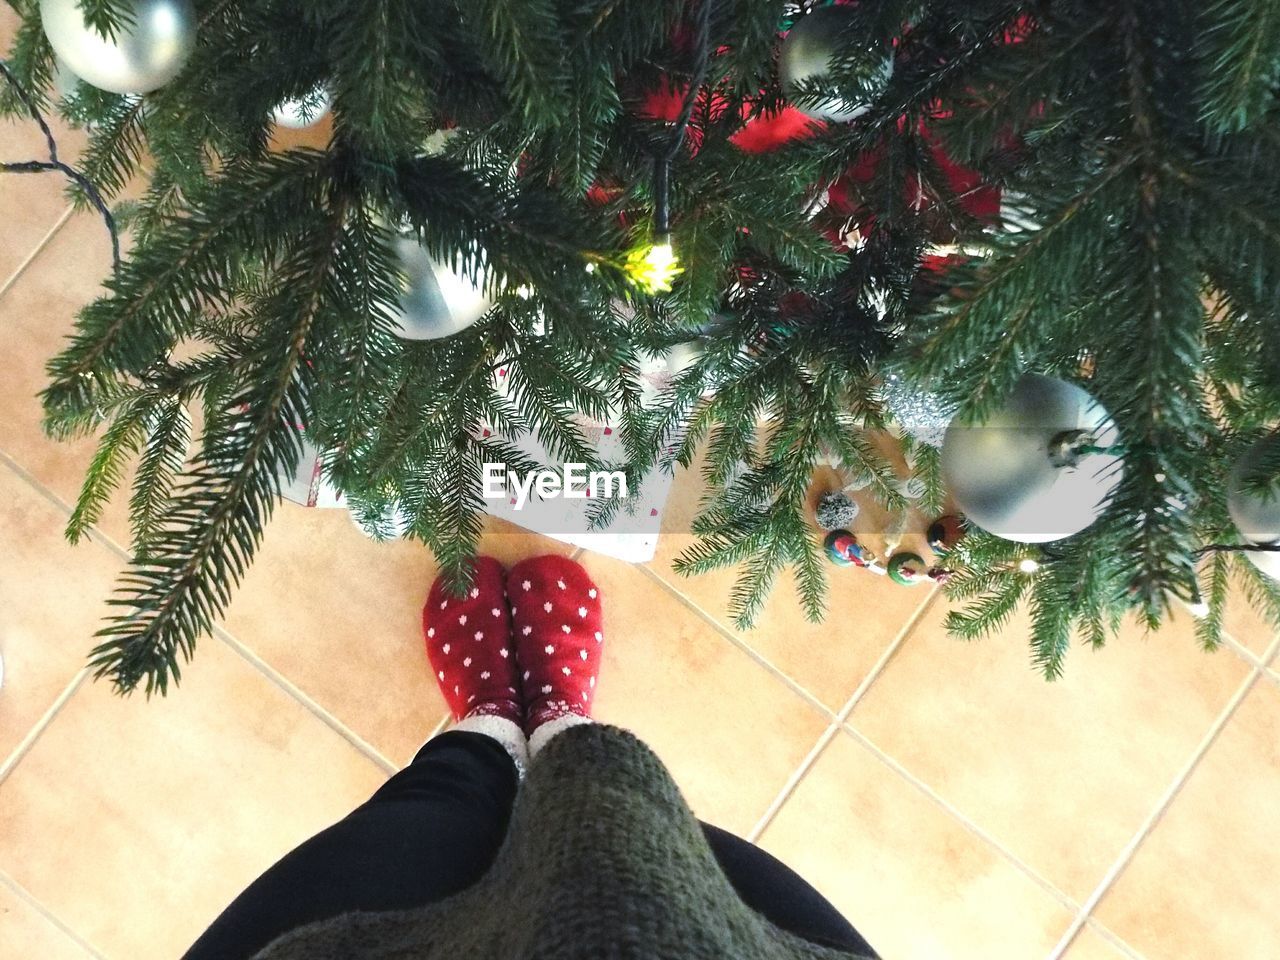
907,569
945,533
844,550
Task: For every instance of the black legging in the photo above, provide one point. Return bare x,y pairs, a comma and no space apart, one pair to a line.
432,830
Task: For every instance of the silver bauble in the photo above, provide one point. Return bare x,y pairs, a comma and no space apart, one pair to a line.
303,112
63,80
1256,515
393,524
143,56
1002,472
436,301
805,57
922,415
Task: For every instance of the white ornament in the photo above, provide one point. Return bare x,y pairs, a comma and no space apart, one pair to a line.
303,112
64,81
394,524
143,56
1008,474
1255,514
806,56
435,301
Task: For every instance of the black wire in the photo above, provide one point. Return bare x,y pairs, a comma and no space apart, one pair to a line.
662,162
1239,548
53,163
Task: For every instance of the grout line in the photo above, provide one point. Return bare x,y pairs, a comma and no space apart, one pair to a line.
1113,939
222,634
1229,641
22,893
27,742
39,248
1126,854
793,781
577,554
894,645
439,728
1271,658
293,690
960,817
740,644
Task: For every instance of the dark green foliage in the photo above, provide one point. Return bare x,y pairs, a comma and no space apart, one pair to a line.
1138,143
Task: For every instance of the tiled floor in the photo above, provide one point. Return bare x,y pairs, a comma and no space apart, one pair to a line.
941,794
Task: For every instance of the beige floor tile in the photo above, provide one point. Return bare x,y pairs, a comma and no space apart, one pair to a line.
1061,773
905,872
1206,882
731,732
1246,625
30,204
26,933
864,611
38,312
135,822
1090,945
339,615
51,601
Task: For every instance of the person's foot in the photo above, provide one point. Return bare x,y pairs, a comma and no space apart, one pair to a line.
556,623
469,646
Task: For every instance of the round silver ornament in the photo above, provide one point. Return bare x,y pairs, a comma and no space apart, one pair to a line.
1255,514
63,80
392,525
303,112
922,415
436,301
805,58
142,57
1028,472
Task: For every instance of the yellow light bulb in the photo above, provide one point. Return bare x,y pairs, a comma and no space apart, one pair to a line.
654,267
1029,565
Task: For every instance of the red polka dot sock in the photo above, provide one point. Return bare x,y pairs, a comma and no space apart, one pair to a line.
556,623
469,646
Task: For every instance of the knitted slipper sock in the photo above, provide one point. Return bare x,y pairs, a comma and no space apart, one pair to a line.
469,645
556,621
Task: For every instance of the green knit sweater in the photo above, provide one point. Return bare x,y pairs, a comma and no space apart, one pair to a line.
603,861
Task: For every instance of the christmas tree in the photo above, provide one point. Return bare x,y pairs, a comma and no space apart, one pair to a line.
903,201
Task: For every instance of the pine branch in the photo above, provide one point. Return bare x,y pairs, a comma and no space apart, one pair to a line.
163,455
157,295
1240,49
216,519
118,444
